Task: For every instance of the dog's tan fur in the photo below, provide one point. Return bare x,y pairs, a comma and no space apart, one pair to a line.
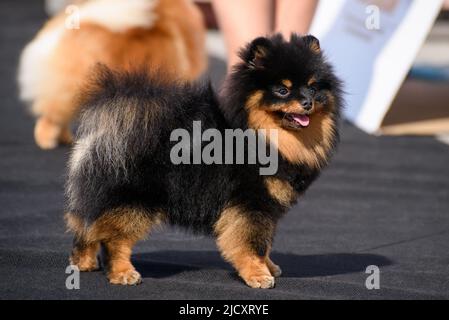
174,44
281,190
85,258
287,83
118,230
309,146
234,233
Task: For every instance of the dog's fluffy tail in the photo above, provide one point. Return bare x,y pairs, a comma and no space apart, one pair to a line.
122,116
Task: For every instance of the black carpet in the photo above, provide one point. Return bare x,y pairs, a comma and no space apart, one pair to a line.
383,201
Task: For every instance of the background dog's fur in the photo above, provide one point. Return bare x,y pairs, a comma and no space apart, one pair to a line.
162,34
122,182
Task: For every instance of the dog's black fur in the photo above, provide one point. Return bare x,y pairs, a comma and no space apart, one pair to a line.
122,156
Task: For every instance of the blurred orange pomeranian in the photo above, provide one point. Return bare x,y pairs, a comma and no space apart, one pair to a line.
164,35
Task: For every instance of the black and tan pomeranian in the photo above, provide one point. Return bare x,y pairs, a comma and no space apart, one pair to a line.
122,182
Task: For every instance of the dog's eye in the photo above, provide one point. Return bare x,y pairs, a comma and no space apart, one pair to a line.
281,92
313,89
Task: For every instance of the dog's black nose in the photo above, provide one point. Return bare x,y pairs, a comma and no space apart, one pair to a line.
307,104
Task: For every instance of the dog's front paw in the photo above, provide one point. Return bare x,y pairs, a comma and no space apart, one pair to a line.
262,281
129,277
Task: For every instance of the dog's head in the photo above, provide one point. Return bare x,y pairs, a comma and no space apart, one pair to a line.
288,86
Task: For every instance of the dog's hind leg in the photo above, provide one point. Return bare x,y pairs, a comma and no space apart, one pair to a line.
245,244
119,267
84,255
84,252
53,123
118,230
47,133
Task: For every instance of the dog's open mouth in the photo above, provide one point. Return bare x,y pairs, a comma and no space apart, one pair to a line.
294,120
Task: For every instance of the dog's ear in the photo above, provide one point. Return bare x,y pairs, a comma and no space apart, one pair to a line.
256,53
313,43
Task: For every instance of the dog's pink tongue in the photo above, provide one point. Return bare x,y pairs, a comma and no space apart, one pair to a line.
303,120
